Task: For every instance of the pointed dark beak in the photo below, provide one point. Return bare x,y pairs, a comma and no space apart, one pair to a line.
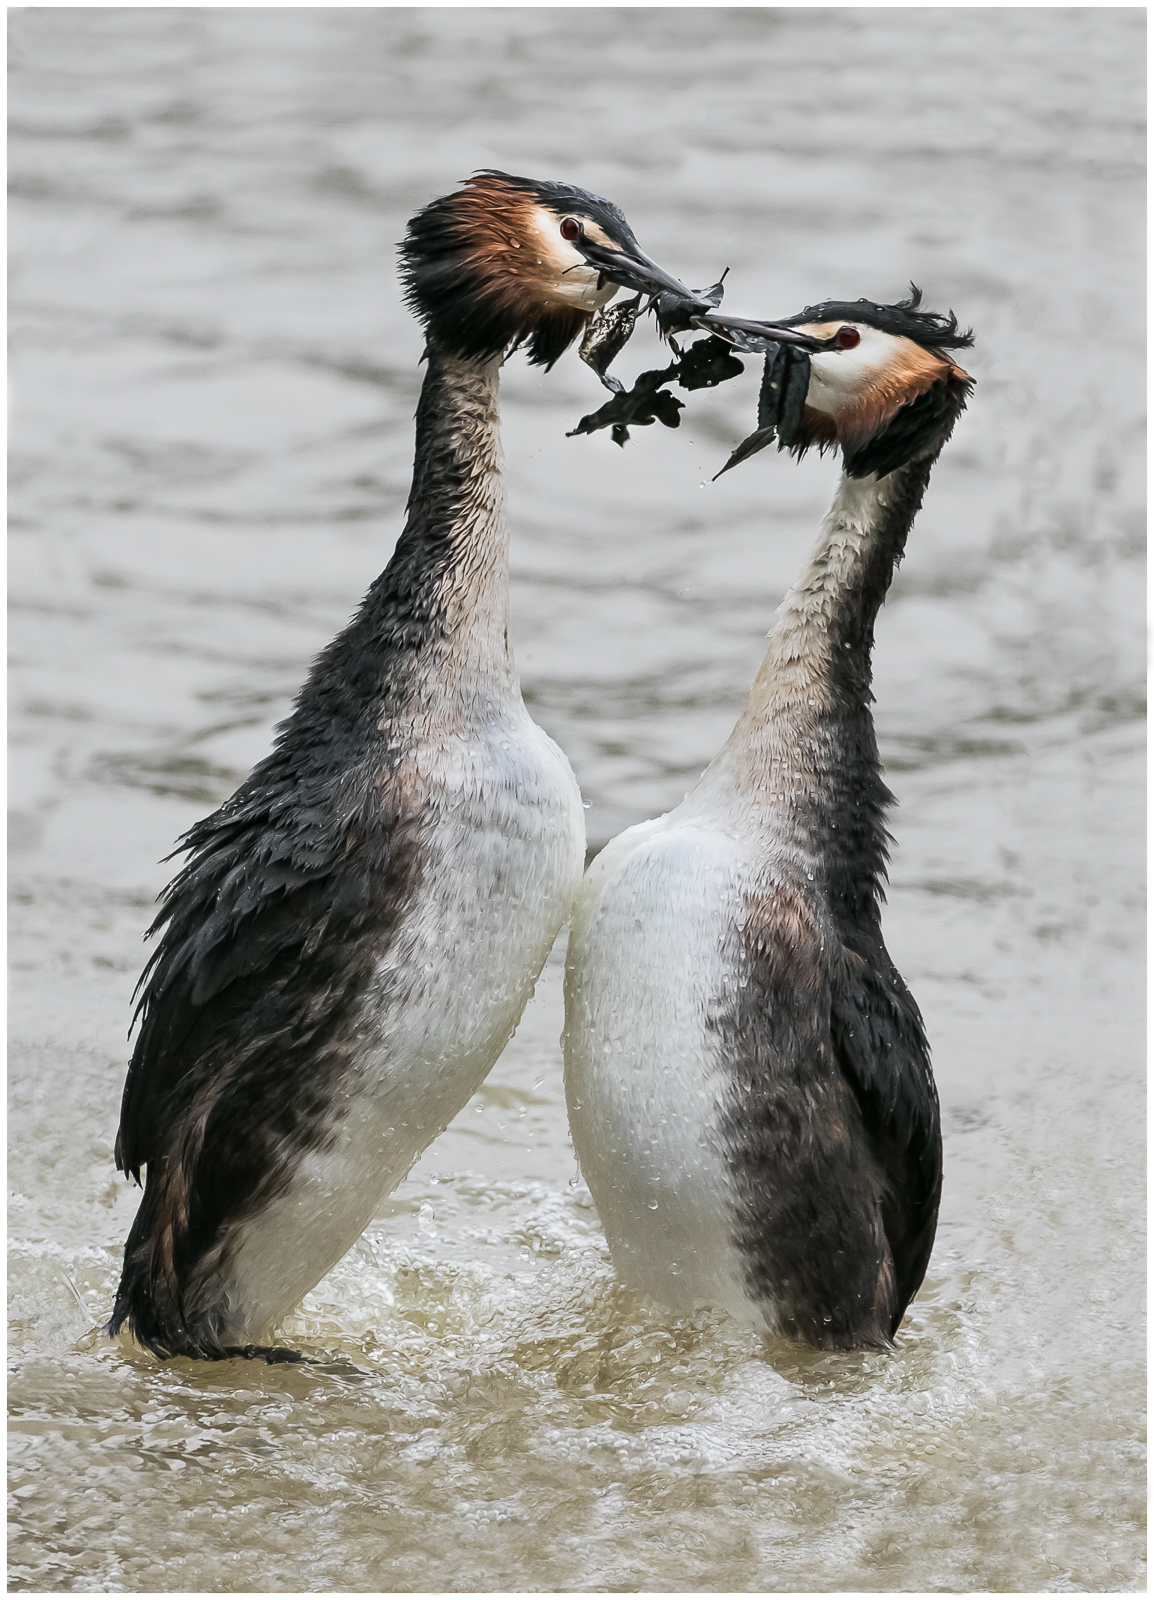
632,269
679,309
746,335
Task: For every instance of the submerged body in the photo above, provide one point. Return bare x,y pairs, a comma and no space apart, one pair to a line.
748,1080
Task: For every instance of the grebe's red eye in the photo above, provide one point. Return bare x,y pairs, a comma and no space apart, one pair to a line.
570,228
847,338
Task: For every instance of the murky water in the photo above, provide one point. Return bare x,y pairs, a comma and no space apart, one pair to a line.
213,388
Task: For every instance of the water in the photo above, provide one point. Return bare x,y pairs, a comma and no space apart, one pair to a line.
213,387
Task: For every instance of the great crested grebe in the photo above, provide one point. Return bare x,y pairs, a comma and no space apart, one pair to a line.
748,1080
356,933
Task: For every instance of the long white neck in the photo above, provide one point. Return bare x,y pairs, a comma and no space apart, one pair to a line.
802,759
451,563
427,656
814,624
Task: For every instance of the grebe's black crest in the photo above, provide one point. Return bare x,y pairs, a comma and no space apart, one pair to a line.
928,328
566,200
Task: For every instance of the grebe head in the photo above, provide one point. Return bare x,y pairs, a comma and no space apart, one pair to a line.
887,391
506,260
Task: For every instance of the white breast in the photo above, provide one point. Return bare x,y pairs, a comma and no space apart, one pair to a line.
645,1087
502,847
502,861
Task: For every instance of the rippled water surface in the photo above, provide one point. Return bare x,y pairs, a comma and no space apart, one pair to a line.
213,388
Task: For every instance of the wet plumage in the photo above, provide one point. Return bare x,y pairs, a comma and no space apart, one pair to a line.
358,929
748,1078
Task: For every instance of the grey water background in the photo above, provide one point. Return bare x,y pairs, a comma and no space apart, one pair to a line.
213,383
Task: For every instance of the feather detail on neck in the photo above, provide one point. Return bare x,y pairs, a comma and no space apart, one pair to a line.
817,667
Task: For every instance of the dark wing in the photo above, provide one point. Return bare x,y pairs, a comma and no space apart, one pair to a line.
269,934
832,1132
811,1191
880,1044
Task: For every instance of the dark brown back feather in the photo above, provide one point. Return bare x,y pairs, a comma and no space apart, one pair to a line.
812,1189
